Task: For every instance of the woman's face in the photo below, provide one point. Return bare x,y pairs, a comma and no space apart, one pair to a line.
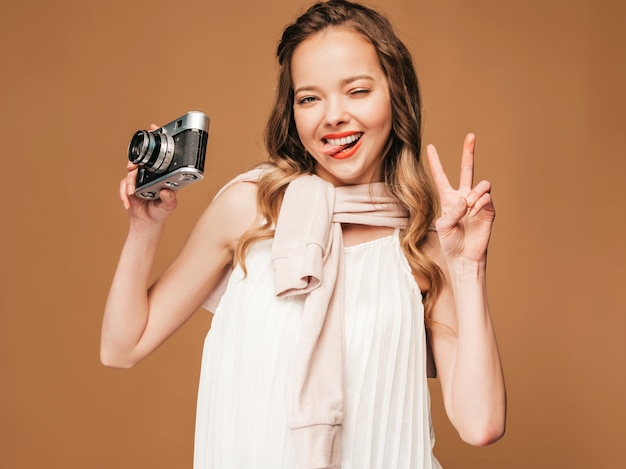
342,106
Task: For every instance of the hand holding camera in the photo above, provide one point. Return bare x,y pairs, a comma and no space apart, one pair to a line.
169,157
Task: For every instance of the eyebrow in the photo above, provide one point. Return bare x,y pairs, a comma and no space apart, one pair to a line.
345,81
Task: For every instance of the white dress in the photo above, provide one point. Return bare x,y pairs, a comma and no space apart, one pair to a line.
241,414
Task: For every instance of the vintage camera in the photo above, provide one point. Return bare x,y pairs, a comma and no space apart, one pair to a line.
170,157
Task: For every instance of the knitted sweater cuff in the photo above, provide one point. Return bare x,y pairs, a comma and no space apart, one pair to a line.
318,446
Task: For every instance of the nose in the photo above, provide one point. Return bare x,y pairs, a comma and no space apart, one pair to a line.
336,113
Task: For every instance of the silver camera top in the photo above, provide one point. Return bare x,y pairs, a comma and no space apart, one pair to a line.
193,120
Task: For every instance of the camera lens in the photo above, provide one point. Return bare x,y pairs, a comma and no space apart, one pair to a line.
151,150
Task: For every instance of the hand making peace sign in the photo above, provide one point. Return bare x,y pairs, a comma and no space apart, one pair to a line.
467,213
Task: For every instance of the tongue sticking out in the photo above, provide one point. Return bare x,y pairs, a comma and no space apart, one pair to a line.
330,149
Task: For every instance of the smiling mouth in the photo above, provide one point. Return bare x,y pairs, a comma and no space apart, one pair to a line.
336,146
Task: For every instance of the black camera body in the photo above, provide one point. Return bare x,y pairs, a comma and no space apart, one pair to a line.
170,157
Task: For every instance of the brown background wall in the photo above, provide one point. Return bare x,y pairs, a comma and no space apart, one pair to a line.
540,82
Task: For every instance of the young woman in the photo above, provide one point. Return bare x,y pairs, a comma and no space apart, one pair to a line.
334,267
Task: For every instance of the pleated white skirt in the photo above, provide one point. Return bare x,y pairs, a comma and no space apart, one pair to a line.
241,414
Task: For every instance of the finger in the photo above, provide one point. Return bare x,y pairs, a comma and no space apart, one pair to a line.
153,127
466,179
130,166
483,187
168,199
439,175
124,195
484,203
131,182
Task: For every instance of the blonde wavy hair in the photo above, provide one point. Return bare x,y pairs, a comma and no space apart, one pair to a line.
402,169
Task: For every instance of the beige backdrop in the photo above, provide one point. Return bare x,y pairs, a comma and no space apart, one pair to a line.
541,83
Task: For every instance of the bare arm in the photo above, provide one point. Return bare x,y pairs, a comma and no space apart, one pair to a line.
463,338
138,318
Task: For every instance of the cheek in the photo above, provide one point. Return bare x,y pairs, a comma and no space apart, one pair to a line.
305,125
380,114
298,118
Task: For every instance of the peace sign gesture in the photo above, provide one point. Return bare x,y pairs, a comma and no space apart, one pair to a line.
467,213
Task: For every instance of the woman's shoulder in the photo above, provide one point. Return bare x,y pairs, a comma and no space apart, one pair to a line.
238,201
235,194
231,213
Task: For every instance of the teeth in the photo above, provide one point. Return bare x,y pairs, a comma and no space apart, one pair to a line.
344,140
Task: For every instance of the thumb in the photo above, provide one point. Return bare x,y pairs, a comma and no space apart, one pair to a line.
168,199
452,217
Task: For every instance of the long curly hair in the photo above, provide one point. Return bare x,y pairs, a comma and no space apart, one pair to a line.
402,169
